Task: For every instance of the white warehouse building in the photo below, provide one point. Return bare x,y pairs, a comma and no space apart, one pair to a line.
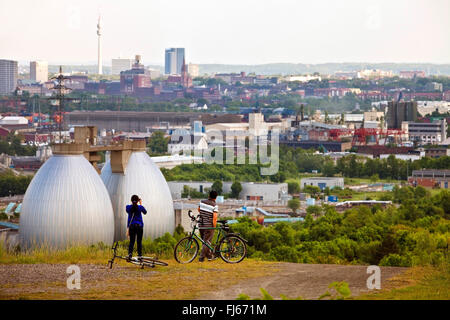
322,182
250,190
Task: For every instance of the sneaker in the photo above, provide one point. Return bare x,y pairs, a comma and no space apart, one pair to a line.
201,259
139,258
212,258
129,257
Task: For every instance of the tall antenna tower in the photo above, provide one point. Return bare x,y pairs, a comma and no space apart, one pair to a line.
99,37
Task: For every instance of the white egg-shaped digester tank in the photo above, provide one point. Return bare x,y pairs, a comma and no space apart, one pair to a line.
66,204
143,178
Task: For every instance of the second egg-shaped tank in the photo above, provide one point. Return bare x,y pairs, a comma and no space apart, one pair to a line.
66,204
143,178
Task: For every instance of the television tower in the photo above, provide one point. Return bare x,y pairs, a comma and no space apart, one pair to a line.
99,35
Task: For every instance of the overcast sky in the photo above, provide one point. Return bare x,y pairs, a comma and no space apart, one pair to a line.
229,32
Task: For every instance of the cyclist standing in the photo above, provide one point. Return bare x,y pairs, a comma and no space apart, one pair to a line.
135,225
208,217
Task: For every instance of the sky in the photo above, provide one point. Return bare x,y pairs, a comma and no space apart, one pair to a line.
228,32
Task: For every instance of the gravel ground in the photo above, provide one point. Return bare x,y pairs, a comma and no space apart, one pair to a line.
40,278
306,280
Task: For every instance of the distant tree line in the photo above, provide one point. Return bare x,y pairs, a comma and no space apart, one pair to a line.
296,161
11,184
12,145
415,233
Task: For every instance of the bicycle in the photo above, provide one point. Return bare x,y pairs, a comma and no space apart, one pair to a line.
231,247
142,262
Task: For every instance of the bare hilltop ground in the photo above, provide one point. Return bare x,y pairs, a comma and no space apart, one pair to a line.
207,280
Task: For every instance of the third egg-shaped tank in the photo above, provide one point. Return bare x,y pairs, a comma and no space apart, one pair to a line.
143,178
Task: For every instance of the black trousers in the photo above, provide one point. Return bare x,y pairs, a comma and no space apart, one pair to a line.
136,231
207,236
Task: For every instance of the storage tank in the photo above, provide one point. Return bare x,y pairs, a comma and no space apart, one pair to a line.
66,204
142,177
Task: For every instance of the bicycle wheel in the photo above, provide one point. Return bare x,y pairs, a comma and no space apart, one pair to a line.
232,249
151,262
186,250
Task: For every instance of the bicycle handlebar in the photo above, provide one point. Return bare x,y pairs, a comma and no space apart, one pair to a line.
193,218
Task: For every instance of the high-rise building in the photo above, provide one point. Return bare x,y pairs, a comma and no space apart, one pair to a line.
193,70
39,71
174,60
401,111
8,76
120,64
170,62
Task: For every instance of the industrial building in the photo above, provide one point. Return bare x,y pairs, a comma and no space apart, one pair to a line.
135,78
400,111
426,133
437,152
430,178
328,146
251,191
130,120
322,182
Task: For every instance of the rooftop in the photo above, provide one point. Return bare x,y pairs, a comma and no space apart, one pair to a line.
322,178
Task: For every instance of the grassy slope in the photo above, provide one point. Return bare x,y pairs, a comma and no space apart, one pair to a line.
197,279
76,254
418,283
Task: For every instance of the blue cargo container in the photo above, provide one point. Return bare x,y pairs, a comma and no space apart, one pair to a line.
332,198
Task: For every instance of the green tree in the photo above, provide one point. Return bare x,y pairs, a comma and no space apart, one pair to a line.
374,178
236,189
158,143
294,204
314,211
217,186
328,168
312,190
293,187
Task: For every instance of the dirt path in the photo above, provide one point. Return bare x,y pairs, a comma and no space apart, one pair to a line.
48,281
306,280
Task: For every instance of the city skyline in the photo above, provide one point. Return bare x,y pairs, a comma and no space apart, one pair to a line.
248,32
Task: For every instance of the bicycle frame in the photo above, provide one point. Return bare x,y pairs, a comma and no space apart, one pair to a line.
220,235
142,263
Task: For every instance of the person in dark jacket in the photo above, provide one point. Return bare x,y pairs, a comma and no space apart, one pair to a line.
135,225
